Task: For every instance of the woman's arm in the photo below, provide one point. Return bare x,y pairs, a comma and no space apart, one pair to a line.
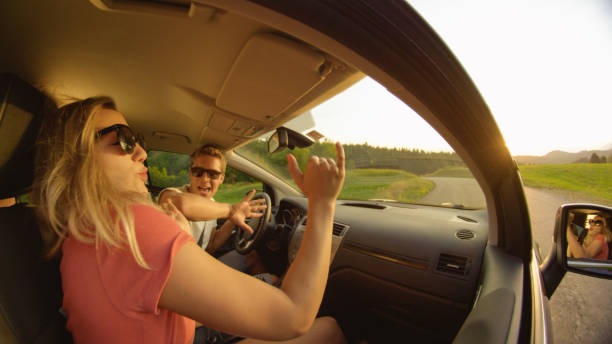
573,246
594,248
578,251
222,298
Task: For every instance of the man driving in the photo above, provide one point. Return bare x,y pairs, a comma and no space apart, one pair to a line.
206,174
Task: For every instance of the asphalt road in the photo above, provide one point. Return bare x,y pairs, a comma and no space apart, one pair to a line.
581,307
463,191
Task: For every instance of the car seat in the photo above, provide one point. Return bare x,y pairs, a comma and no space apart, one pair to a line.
30,291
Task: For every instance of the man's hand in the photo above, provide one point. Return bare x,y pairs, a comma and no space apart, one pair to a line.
246,209
323,178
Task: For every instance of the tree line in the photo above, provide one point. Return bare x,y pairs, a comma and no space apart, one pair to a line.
359,156
599,159
171,169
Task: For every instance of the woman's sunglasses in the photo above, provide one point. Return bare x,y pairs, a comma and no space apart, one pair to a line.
125,137
596,222
199,172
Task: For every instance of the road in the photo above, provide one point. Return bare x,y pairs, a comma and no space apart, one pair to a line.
463,191
581,307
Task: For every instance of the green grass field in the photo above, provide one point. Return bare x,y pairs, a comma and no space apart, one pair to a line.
384,183
358,184
233,193
591,179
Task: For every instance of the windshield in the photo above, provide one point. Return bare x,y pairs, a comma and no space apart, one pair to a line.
392,154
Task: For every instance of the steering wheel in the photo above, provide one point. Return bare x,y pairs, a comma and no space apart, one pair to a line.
244,242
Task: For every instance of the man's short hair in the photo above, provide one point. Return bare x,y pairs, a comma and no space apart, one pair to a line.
210,150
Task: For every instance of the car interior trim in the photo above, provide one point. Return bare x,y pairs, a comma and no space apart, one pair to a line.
405,262
540,332
496,316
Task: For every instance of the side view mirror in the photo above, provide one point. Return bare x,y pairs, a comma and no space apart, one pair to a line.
287,138
582,244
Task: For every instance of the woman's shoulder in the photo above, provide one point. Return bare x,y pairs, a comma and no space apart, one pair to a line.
146,210
148,217
153,227
601,238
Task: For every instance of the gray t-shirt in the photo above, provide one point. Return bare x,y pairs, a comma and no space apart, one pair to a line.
200,230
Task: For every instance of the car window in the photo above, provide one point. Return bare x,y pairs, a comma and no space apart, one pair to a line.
168,169
392,154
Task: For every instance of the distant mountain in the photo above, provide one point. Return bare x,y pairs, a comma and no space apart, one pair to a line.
561,157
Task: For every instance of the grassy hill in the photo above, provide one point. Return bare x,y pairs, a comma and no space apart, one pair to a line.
561,157
592,179
384,184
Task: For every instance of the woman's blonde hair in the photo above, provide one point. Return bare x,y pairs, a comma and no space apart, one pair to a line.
605,231
71,191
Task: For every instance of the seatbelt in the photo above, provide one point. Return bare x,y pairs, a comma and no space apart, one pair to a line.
201,239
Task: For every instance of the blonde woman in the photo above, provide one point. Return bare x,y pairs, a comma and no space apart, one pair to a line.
132,274
595,243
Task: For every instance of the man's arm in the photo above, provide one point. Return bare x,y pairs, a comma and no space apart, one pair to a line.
198,208
220,236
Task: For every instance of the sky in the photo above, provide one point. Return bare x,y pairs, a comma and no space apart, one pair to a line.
544,68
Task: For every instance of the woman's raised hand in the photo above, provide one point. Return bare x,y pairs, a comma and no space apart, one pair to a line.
323,178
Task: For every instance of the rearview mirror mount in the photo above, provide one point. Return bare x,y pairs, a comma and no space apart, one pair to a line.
287,138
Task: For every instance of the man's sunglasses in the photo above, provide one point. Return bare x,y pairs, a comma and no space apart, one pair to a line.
125,137
596,222
199,172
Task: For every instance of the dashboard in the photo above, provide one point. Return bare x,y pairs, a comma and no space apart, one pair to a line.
404,264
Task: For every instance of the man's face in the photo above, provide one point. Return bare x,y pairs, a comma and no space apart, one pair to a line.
210,176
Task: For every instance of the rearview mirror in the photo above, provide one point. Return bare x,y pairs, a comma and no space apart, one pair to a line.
287,138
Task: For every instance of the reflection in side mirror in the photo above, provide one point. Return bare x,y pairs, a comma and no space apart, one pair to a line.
287,138
572,227
587,240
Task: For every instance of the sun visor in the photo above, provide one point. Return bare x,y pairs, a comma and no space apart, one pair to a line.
21,110
270,74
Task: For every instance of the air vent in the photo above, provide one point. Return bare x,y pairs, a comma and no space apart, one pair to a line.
453,264
339,229
467,219
465,234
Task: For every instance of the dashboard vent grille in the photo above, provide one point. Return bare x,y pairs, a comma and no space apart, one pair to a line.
453,264
465,234
339,229
467,219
